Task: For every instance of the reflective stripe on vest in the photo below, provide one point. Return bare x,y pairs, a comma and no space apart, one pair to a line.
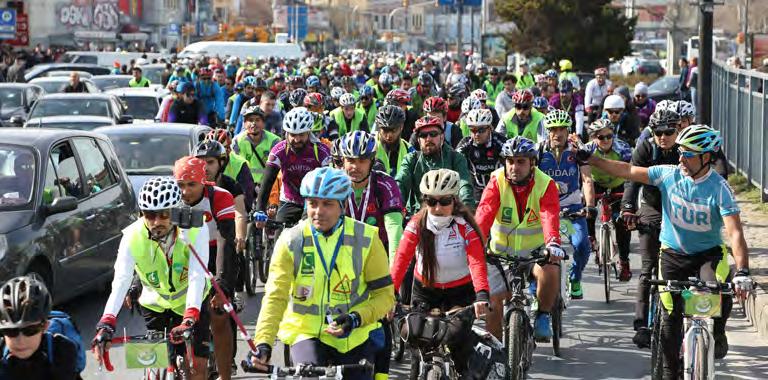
531,130
306,314
509,234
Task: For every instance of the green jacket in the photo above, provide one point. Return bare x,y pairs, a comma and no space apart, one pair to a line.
415,165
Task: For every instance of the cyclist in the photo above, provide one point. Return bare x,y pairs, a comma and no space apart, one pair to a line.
218,206
566,73
436,107
255,143
294,157
424,89
249,92
659,150
321,127
574,180
367,104
382,88
493,87
596,91
209,94
696,204
434,153
29,352
331,319
626,126
482,148
148,249
186,108
455,95
503,101
391,149
523,120
569,101
483,97
235,166
348,118
450,264
521,201
541,104
605,145
469,104
402,99
644,105
525,79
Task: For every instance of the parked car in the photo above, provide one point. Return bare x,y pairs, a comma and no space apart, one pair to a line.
108,82
67,73
69,108
55,85
148,150
42,69
64,200
141,103
16,99
667,87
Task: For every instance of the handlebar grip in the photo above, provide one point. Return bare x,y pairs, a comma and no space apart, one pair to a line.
107,363
250,368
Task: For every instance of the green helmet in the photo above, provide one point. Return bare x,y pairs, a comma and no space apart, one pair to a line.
700,138
557,119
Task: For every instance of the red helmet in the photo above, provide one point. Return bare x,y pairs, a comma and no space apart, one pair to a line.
522,97
219,135
435,104
189,168
313,99
399,96
428,121
204,72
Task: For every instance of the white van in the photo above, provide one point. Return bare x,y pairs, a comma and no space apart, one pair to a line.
106,58
242,50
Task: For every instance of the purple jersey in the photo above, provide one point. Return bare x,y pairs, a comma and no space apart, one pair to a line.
577,104
384,198
295,165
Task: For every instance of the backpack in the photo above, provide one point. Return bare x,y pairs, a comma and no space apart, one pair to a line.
61,323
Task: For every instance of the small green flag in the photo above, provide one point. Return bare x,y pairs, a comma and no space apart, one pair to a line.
146,355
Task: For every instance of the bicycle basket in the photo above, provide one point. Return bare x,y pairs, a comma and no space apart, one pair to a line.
425,331
702,304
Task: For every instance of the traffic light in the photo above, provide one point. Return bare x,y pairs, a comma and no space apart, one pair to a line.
221,28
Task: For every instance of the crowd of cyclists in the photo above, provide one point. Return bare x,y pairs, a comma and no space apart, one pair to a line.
398,180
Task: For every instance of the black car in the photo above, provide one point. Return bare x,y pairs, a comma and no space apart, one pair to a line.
665,88
43,69
64,200
16,99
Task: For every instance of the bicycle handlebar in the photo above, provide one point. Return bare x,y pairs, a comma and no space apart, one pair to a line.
306,370
678,285
536,257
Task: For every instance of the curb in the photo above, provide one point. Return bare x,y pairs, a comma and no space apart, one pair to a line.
756,308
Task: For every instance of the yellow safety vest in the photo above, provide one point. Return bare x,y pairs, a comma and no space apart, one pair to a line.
341,121
312,296
159,293
492,91
234,166
381,155
251,155
370,114
509,234
531,129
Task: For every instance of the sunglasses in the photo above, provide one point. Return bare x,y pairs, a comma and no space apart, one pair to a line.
153,215
614,112
522,106
687,153
478,130
444,201
432,134
640,96
668,132
605,137
27,331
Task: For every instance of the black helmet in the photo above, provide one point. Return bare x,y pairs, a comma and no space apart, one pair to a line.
260,83
24,301
390,116
210,148
297,97
663,119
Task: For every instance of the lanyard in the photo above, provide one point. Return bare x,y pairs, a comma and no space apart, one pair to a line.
168,253
351,202
328,269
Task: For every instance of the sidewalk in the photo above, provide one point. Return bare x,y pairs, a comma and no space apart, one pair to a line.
756,232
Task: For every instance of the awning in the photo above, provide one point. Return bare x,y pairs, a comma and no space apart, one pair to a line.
134,36
96,35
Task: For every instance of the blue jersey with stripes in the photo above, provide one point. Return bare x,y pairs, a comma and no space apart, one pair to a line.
565,172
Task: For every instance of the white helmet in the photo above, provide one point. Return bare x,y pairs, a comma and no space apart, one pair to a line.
613,102
641,88
664,104
440,182
298,120
683,108
469,104
337,92
347,100
479,117
159,193
480,94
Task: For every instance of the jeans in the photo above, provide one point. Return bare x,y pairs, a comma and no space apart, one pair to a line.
582,248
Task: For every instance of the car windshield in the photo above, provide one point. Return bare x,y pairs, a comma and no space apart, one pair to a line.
10,97
154,74
108,83
17,175
141,107
87,126
71,106
53,86
665,84
149,154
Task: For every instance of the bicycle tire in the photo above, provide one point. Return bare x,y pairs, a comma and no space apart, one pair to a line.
657,353
516,336
605,251
701,356
398,346
557,326
251,277
266,255
435,373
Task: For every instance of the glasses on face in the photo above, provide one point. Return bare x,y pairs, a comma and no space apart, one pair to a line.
205,78
27,331
605,137
478,130
522,106
444,201
432,134
640,96
614,112
687,153
153,215
668,132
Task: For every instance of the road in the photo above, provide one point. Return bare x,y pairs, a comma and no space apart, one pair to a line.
597,345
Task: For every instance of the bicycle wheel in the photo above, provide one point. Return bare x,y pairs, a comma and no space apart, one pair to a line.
398,346
266,256
516,351
657,355
605,258
700,365
251,255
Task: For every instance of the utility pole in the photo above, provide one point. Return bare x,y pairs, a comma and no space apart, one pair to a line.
472,30
704,101
460,10
746,34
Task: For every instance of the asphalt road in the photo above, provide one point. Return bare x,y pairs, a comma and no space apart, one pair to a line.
597,344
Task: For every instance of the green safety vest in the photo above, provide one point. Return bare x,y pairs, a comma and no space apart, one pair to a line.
370,115
235,166
161,293
493,92
530,131
602,178
341,121
381,155
510,235
305,317
525,81
256,158
144,82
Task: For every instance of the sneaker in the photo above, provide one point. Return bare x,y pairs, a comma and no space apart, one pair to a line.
625,274
542,328
721,345
642,338
576,292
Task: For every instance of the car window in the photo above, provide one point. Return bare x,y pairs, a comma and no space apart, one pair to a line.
95,168
31,94
66,174
71,106
17,175
51,187
141,107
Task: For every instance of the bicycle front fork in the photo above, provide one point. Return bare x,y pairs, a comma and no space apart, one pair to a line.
698,349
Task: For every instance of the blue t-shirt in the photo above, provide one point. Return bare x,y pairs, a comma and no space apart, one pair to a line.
692,212
566,173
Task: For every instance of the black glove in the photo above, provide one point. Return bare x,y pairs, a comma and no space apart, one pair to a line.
263,352
347,322
178,332
582,155
591,212
104,333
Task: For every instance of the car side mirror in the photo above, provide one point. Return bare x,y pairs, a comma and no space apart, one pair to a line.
61,204
125,119
17,121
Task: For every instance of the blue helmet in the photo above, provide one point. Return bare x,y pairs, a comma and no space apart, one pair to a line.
551,73
566,86
313,81
367,91
184,87
326,183
519,146
249,81
358,144
239,86
540,102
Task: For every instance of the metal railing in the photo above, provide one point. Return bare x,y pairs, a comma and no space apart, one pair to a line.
740,112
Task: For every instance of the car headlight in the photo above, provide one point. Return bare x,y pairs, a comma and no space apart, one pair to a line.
3,246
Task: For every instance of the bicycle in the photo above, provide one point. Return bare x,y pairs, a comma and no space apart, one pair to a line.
308,370
259,246
607,247
179,355
517,330
566,230
398,345
702,302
